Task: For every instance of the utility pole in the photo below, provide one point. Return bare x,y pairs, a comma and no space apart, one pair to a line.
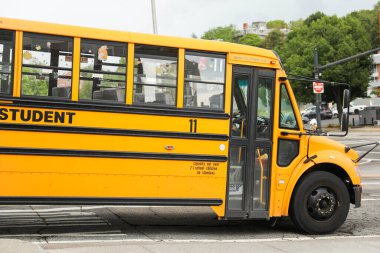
318,69
318,97
153,3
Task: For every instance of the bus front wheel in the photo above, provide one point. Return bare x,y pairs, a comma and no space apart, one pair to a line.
320,203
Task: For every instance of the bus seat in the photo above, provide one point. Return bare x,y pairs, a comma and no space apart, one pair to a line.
114,94
98,94
164,98
139,98
61,91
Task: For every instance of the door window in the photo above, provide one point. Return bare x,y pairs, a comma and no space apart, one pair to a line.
261,179
236,178
264,108
239,107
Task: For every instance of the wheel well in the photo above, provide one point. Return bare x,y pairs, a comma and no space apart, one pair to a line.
333,169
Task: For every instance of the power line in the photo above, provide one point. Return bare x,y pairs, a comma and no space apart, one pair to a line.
308,79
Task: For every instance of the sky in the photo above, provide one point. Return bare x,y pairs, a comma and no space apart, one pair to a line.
174,17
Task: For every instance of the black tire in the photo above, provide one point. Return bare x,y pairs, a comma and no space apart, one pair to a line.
356,111
312,207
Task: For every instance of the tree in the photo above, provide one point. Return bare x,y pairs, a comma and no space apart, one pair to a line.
294,25
369,19
277,24
34,85
314,17
251,40
335,38
225,33
274,39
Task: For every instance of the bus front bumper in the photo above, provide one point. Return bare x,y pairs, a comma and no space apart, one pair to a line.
358,196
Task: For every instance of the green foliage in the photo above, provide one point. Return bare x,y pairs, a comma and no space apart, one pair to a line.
314,17
225,33
277,24
336,38
376,92
294,25
251,40
369,20
34,85
274,39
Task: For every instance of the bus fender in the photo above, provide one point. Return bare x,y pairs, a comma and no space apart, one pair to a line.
325,156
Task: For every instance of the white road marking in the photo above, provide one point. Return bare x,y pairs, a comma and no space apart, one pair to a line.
370,199
368,160
372,152
301,238
47,210
365,161
370,183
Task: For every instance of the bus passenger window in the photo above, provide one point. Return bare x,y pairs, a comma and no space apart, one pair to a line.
46,65
6,60
102,71
155,75
204,81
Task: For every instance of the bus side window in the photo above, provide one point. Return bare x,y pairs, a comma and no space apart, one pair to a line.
204,80
6,60
155,75
46,65
287,115
103,71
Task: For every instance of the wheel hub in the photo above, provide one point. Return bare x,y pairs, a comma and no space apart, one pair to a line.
322,203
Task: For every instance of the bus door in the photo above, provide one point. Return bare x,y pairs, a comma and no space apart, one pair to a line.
250,143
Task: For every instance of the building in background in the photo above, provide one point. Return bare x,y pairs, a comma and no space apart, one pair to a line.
374,85
259,28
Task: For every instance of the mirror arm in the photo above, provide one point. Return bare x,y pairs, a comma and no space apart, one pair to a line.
338,135
376,144
285,133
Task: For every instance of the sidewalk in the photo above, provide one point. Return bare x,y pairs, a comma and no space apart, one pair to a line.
355,129
18,246
348,244
365,129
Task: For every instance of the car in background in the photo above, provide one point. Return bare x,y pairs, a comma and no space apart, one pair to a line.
307,110
305,120
311,113
354,109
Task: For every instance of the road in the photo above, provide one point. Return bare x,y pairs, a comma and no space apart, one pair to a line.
167,229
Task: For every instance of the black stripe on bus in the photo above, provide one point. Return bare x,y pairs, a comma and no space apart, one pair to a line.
103,106
109,201
110,154
111,131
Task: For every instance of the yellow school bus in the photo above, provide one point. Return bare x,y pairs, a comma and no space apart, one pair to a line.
91,116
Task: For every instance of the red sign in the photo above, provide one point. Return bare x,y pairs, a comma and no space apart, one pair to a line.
318,87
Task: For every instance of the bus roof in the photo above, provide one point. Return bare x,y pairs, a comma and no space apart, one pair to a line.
138,38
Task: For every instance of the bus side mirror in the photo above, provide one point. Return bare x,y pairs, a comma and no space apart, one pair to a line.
346,110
